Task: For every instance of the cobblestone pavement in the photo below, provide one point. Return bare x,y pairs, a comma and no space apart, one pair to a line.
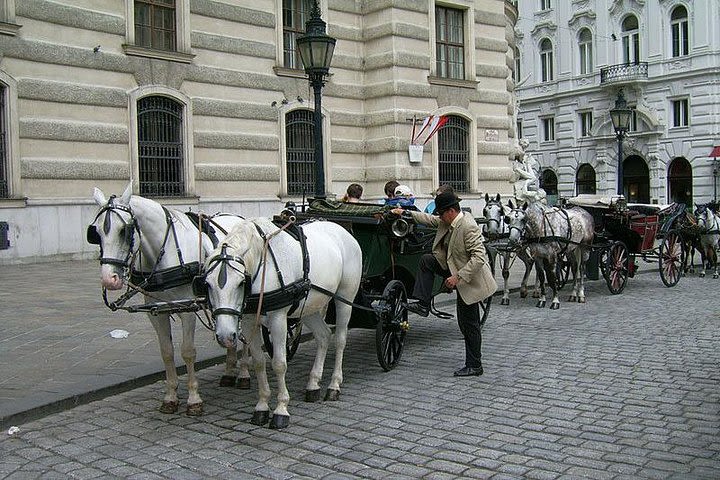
623,387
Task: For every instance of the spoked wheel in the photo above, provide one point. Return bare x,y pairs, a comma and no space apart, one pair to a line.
615,271
292,343
392,325
670,259
562,271
485,310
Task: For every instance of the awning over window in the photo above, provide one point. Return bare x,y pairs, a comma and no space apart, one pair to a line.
715,152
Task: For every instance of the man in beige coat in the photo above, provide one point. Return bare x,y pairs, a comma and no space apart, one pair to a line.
458,254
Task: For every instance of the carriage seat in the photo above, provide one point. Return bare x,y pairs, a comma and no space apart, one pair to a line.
646,226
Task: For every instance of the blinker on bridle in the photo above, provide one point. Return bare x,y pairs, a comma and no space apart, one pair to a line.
129,227
222,262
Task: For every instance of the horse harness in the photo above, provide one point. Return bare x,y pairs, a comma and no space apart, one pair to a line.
564,240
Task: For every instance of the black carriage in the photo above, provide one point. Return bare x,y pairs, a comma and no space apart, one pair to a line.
391,247
626,233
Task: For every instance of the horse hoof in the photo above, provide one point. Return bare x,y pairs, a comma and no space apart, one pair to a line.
715,276
581,299
312,395
227,381
554,306
572,298
169,407
540,304
505,301
260,417
243,383
702,275
332,395
279,421
194,410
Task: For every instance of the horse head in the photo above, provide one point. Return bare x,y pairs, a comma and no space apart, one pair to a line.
113,230
494,212
229,272
516,220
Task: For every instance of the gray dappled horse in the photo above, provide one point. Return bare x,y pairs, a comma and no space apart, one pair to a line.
709,223
549,233
495,231
158,249
294,282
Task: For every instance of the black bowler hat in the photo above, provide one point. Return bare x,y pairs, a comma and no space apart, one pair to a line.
444,201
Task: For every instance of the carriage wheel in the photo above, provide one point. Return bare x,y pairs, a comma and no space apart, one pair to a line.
562,271
292,343
392,325
615,259
670,259
485,307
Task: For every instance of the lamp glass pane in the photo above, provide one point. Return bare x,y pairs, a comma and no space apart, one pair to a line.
304,51
318,51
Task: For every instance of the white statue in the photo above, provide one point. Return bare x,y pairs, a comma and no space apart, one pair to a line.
526,175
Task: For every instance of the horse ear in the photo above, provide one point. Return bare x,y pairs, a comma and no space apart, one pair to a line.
510,204
99,197
497,197
487,198
125,198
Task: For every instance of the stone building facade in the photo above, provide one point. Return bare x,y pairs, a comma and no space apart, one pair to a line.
573,57
203,104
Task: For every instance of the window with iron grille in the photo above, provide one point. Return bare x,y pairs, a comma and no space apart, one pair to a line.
4,167
300,153
585,180
295,14
160,147
450,42
155,24
679,27
454,153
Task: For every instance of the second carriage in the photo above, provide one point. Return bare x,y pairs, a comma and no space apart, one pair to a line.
626,233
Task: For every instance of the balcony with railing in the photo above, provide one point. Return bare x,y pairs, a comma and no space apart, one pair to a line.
624,73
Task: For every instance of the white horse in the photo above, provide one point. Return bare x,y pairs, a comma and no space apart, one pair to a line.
497,229
551,232
158,250
709,222
288,282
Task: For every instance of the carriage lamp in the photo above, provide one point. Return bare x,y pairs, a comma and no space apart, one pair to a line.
620,116
316,50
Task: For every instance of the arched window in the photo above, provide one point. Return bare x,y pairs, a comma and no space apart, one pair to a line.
546,60
160,147
680,188
679,28
516,72
549,183
636,180
631,39
300,152
585,180
586,51
454,153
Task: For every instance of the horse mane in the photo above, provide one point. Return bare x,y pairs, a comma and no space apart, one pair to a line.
244,239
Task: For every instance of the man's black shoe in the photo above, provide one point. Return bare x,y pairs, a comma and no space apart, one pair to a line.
419,308
469,372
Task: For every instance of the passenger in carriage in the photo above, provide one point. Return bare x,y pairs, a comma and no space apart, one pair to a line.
390,191
458,254
403,197
353,193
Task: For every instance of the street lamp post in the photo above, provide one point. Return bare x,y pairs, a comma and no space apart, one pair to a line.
620,116
316,50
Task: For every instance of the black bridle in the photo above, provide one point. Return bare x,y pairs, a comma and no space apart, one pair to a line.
223,261
129,228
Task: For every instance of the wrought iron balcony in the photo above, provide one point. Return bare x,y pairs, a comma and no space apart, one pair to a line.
624,73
